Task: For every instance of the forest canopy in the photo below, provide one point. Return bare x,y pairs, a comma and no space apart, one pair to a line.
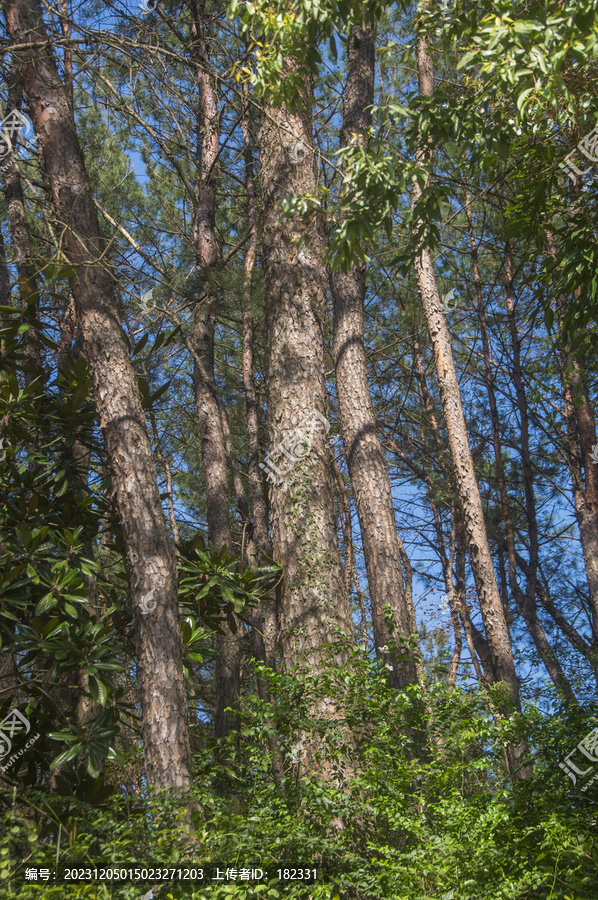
298,450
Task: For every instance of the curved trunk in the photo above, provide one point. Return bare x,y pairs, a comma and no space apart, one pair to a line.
367,468
149,552
497,633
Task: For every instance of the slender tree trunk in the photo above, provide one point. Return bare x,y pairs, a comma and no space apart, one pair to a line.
165,464
497,632
266,618
20,234
4,277
525,599
149,552
476,642
576,640
214,461
65,24
216,457
365,459
351,576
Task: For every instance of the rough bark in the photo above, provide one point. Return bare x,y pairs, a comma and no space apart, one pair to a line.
20,235
351,576
367,467
4,276
216,457
65,24
164,463
149,552
495,625
313,596
265,624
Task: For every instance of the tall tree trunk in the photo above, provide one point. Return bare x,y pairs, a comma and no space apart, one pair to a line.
265,618
210,409
365,459
20,234
351,576
314,600
65,24
525,599
264,621
4,277
149,552
455,593
495,625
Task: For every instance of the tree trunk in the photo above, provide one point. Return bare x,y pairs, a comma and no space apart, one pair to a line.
497,632
526,600
149,553
314,601
20,235
365,459
4,278
210,409
265,619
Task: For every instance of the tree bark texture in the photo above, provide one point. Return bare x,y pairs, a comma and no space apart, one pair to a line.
495,625
265,618
313,598
20,235
367,467
149,552
210,409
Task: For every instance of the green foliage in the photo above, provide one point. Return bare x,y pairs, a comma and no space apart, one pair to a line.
530,77
419,821
49,519
213,584
278,31
69,649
